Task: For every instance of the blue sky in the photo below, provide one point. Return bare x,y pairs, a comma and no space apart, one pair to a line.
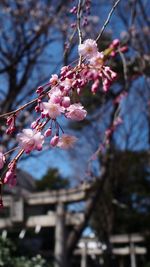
52,158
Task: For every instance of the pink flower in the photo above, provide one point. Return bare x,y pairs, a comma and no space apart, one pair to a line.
2,160
66,84
88,49
51,109
55,95
54,79
30,139
66,141
97,60
76,112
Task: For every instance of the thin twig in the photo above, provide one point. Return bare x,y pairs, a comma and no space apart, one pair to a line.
25,105
79,26
11,150
70,41
107,20
79,21
18,109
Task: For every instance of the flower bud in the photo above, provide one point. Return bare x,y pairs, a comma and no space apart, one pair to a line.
39,90
66,102
54,141
48,132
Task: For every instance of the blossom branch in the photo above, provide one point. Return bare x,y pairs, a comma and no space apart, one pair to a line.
61,96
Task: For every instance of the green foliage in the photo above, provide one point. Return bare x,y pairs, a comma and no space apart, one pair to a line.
8,257
52,180
36,261
7,250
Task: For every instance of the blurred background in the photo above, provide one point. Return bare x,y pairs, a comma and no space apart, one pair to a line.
64,212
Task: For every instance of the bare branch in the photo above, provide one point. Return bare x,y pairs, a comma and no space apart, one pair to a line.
107,20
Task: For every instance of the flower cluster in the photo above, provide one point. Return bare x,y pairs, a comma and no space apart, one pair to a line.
61,97
98,71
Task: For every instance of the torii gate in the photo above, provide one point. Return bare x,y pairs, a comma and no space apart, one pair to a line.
92,247
58,218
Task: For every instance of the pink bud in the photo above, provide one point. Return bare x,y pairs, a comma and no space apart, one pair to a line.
124,49
69,74
10,130
66,102
113,53
113,74
106,85
95,87
8,176
78,91
115,43
64,70
117,122
75,83
39,147
9,120
33,124
73,10
37,109
48,132
54,141
73,25
39,90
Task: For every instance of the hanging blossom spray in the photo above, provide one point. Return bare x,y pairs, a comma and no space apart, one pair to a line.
60,97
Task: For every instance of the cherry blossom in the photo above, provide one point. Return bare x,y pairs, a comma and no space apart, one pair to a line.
54,79
76,112
97,60
66,141
30,139
55,95
51,109
88,49
58,95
